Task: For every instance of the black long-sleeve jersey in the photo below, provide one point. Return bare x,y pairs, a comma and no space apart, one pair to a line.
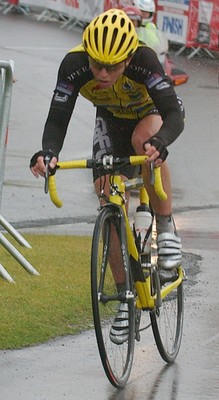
141,87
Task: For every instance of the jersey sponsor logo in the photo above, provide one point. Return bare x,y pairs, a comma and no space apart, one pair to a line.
131,112
180,104
136,96
127,86
153,80
139,69
60,97
162,85
65,88
102,141
74,75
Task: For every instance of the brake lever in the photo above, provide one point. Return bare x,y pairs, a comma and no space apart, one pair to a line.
152,174
46,185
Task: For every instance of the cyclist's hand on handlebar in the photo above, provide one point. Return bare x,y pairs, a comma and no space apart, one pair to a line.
39,160
155,150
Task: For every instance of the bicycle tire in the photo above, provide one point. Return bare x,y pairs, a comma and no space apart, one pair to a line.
116,359
167,324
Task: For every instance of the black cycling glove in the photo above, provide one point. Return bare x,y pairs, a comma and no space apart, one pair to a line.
49,154
159,146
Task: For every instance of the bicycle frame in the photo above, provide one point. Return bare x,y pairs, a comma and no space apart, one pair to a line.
145,300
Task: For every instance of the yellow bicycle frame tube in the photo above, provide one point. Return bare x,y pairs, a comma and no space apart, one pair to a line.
145,300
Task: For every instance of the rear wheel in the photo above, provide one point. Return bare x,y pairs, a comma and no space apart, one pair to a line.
167,324
116,358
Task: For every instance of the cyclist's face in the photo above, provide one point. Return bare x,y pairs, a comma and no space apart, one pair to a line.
107,75
146,15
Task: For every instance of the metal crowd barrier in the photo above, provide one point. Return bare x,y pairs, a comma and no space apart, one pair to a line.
12,5
6,82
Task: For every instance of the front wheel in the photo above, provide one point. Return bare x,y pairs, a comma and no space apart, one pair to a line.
108,245
167,323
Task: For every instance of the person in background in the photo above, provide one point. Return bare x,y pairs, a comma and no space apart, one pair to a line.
147,8
148,32
135,15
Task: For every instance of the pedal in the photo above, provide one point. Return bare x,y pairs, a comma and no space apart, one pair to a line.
167,276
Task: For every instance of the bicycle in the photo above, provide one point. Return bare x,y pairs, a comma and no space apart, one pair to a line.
145,287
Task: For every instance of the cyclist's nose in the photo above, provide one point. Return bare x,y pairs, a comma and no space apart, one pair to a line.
103,73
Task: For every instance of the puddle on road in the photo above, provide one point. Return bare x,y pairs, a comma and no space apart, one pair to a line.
191,264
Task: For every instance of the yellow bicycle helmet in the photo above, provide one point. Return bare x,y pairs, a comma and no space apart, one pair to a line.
111,37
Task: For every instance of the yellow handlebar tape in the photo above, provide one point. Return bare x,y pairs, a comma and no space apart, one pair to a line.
52,182
72,164
158,187
53,192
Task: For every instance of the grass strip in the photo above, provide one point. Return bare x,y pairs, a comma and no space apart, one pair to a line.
38,308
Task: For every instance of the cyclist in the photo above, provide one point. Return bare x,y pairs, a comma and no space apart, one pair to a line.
137,112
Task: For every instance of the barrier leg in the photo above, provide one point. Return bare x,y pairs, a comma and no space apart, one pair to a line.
209,53
5,275
46,15
13,5
18,256
181,50
16,235
68,22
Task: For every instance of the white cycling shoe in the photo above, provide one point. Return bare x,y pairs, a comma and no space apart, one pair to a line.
119,331
169,250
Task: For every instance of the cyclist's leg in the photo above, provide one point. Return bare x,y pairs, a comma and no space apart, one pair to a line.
145,129
112,136
114,256
169,244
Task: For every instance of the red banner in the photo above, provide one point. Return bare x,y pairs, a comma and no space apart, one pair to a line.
116,4
203,24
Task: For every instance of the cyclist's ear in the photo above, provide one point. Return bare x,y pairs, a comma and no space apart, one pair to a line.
127,61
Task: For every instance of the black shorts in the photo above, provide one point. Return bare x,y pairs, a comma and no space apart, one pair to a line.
112,136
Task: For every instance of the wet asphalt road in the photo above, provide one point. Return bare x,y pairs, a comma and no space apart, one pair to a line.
69,368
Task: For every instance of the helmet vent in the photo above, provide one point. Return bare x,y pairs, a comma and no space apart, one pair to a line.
105,31
122,22
104,18
96,38
96,20
121,42
130,45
